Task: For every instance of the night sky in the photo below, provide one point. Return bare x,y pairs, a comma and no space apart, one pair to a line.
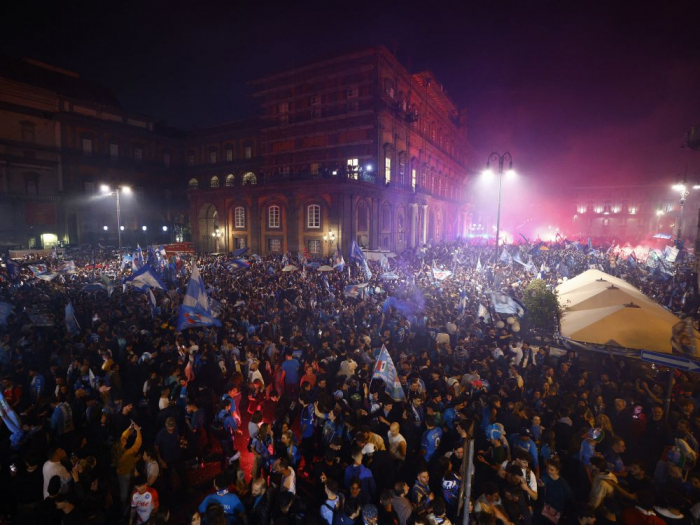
584,93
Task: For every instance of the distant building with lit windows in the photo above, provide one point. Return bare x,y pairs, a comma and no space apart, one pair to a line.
351,148
632,213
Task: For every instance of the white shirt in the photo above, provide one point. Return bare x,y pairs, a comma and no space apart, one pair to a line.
394,443
289,483
54,468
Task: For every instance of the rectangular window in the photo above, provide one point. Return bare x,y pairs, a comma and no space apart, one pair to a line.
387,169
315,247
239,218
313,216
273,217
28,134
353,168
315,100
138,154
212,157
229,155
315,167
274,245
239,242
248,152
166,159
352,92
190,159
283,107
114,151
87,146
284,170
89,187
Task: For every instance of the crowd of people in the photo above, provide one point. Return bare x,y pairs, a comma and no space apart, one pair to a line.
117,419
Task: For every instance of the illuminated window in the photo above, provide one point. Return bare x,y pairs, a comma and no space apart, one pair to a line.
239,217
315,167
353,167
274,245
273,217
239,242
313,216
314,247
387,169
413,179
250,178
230,179
214,182
194,184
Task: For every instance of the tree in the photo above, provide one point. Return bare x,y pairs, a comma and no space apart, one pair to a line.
542,307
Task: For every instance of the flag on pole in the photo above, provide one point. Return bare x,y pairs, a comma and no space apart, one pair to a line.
72,326
152,302
196,294
339,262
365,268
386,371
356,252
66,267
13,269
237,264
147,276
506,257
505,304
194,317
441,275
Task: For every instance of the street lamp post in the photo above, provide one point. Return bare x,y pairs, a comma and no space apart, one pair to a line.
502,159
117,192
684,191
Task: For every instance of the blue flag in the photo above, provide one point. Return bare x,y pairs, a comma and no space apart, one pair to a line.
5,312
196,294
13,269
147,276
385,370
237,264
356,252
72,326
66,267
152,302
194,317
339,262
240,251
505,304
506,257
139,256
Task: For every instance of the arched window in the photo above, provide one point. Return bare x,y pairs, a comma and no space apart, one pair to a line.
194,184
214,182
239,217
273,217
230,179
250,178
313,216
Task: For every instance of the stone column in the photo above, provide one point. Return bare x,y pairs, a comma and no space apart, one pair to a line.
424,232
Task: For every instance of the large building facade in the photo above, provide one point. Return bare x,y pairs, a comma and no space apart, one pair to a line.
355,147
351,148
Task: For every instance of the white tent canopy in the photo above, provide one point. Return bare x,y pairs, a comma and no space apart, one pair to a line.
605,310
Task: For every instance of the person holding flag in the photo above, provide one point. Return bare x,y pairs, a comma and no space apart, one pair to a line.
384,369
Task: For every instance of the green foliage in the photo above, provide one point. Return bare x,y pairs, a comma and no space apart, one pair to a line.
542,305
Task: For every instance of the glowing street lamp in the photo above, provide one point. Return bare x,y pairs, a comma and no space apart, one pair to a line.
117,192
510,173
683,189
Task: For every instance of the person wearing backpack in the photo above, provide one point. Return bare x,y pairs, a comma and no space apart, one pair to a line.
224,428
334,502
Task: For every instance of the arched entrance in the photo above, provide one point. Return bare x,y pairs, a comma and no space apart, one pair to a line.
210,236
